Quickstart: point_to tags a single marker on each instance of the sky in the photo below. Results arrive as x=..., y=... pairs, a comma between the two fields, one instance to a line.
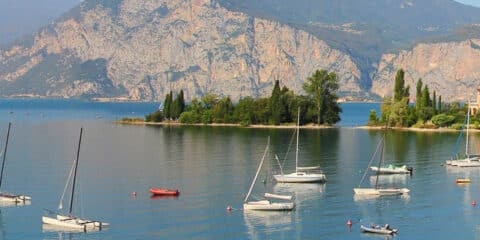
x=475, y=3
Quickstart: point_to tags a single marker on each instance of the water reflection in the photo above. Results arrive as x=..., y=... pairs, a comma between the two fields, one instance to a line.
x=14, y=204
x=302, y=191
x=372, y=198
x=260, y=223
x=390, y=180
x=58, y=232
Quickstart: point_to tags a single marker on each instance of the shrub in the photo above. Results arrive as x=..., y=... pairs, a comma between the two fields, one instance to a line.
x=443, y=120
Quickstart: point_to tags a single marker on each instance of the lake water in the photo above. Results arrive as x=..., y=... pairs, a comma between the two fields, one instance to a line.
x=213, y=168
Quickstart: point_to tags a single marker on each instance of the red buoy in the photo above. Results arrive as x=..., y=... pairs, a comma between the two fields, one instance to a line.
x=349, y=223
x=474, y=203
x=134, y=194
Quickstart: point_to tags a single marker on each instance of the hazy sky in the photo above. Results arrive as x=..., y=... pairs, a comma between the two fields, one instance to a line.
x=470, y=2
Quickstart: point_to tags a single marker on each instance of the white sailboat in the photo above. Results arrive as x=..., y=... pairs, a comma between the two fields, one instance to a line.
x=267, y=205
x=301, y=174
x=8, y=199
x=471, y=160
x=70, y=221
x=378, y=191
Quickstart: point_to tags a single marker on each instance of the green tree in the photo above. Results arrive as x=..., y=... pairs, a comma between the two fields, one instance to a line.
x=434, y=102
x=275, y=104
x=209, y=100
x=418, y=101
x=223, y=111
x=439, y=104
x=244, y=111
x=167, y=106
x=156, y=116
x=400, y=91
x=321, y=87
x=372, y=118
x=443, y=120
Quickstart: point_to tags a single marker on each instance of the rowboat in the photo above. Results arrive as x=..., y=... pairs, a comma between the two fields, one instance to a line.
x=379, y=229
x=164, y=191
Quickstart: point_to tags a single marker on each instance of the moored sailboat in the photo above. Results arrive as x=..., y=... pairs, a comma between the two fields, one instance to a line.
x=378, y=191
x=470, y=160
x=69, y=220
x=301, y=174
x=266, y=204
x=9, y=198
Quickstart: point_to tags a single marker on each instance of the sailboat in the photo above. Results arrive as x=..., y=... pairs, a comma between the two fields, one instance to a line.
x=69, y=220
x=267, y=205
x=471, y=160
x=301, y=174
x=8, y=197
x=377, y=191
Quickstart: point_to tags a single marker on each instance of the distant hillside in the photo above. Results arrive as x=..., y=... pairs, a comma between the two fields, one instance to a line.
x=19, y=18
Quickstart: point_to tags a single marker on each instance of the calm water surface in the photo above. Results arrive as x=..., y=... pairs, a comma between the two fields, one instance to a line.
x=213, y=168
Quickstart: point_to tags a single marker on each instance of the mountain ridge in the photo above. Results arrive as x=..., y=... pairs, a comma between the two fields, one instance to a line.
x=143, y=49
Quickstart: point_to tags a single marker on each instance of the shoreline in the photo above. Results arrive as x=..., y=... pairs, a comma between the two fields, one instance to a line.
x=291, y=126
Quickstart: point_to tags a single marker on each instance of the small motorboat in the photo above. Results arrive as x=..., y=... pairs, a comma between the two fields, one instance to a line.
x=164, y=192
x=462, y=180
x=379, y=229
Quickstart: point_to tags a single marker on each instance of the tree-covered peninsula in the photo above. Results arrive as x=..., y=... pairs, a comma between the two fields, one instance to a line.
x=319, y=106
x=428, y=110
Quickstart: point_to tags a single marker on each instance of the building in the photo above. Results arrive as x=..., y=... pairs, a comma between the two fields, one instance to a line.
x=475, y=106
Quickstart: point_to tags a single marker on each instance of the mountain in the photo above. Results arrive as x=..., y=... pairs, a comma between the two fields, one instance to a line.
x=143, y=49
x=140, y=50
x=23, y=17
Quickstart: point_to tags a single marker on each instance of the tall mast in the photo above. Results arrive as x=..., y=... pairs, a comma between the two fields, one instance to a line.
x=468, y=124
x=296, y=152
x=75, y=172
x=5, y=153
x=258, y=171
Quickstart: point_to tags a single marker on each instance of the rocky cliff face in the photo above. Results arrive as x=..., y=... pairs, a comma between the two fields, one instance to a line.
x=143, y=49
x=451, y=69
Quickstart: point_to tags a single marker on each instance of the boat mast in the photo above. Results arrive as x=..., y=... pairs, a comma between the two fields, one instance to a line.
x=468, y=124
x=381, y=159
x=258, y=171
x=75, y=172
x=296, y=152
x=5, y=153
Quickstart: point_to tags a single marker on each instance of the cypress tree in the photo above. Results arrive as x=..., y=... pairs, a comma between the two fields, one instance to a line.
x=434, y=102
x=167, y=106
x=418, y=103
x=275, y=104
x=439, y=104
x=399, y=90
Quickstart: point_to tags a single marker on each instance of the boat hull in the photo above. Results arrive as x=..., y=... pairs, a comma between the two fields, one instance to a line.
x=164, y=192
x=391, y=170
x=378, y=230
x=71, y=222
x=380, y=191
x=6, y=197
x=300, y=177
x=265, y=205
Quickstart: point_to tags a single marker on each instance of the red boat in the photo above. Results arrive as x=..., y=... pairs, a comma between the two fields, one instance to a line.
x=164, y=192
